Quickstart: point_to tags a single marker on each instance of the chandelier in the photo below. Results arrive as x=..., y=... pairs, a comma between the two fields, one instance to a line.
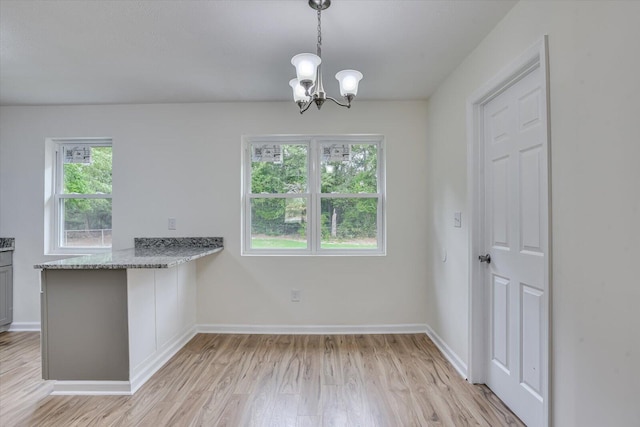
x=307, y=86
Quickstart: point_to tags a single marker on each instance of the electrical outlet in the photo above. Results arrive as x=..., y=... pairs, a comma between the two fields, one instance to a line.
x=295, y=295
x=172, y=223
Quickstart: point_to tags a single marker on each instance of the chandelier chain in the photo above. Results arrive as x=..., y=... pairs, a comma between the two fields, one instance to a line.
x=319, y=46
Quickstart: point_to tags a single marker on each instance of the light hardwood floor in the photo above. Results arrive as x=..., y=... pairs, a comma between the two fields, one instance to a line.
x=270, y=380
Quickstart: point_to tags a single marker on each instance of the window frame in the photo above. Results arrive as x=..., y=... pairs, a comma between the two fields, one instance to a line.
x=58, y=196
x=313, y=195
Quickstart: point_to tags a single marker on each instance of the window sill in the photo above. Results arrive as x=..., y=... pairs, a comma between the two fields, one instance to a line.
x=308, y=254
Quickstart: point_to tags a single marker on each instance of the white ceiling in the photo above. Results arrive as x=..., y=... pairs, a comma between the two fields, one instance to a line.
x=100, y=51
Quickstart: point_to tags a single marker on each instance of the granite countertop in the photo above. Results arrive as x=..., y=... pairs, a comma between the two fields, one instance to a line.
x=147, y=253
x=7, y=244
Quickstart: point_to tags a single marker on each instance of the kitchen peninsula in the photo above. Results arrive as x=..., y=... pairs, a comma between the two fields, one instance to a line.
x=110, y=321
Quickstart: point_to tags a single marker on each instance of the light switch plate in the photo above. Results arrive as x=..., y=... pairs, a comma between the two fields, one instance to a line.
x=457, y=219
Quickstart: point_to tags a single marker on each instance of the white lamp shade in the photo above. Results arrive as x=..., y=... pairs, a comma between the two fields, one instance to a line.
x=306, y=66
x=349, y=80
x=298, y=91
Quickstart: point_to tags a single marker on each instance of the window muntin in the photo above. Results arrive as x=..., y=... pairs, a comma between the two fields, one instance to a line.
x=82, y=198
x=314, y=195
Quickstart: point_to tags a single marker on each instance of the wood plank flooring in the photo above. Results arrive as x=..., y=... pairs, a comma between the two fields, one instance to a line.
x=264, y=380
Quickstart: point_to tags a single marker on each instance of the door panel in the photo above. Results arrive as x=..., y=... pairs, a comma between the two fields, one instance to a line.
x=530, y=215
x=499, y=124
x=500, y=226
x=531, y=307
x=529, y=109
x=516, y=226
x=500, y=322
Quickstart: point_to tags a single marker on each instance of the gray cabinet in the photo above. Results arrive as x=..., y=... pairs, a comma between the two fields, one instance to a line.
x=6, y=290
x=84, y=325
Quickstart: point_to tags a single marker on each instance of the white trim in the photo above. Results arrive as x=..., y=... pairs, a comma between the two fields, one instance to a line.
x=408, y=328
x=534, y=57
x=24, y=327
x=146, y=369
x=448, y=352
x=92, y=388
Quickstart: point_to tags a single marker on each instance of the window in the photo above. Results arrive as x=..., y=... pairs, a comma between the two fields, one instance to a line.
x=320, y=195
x=81, y=205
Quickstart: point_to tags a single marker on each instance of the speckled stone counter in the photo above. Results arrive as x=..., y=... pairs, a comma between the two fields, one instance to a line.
x=147, y=253
x=7, y=244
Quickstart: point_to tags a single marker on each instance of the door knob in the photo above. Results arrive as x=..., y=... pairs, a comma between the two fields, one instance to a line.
x=485, y=258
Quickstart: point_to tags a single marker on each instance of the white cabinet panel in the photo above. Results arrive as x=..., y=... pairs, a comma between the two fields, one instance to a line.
x=161, y=306
x=187, y=295
x=166, y=304
x=142, y=316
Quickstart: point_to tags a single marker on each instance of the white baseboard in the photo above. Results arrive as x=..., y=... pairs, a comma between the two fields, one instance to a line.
x=410, y=328
x=87, y=388
x=146, y=369
x=24, y=327
x=448, y=353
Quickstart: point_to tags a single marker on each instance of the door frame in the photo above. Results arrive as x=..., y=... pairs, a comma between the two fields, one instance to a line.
x=533, y=58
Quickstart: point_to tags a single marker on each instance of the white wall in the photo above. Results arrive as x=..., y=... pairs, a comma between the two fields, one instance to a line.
x=594, y=70
x=183, y=161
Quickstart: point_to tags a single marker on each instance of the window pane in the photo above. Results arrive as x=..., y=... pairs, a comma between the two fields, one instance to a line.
x=86, y=173
x=87, y=222
x=279, y=223
x=349, y=223
x=278, y=168
x=349, y=168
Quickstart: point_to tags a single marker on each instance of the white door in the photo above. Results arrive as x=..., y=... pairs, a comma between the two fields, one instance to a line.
x=516, y=233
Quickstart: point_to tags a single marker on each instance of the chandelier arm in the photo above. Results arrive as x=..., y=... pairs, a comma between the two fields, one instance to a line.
x=305, y=107
x=348, y=105
x=313, y=89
